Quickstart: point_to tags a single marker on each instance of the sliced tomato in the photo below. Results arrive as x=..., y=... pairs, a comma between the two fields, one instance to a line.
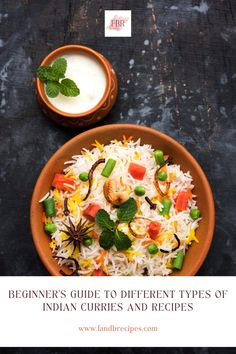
x=153, y=229
x=99, y=273
x=91, y=211
x=182, y=201
x=137, y=171
x=63, y=183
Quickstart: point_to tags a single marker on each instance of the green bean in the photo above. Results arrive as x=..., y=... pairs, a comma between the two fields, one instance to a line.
x=49, y=207
x=152, y=248
x=195, y=214
x=159, y=157
x=50, y=228
x=84, y=176
x=139, y=190
x=166, y=207
x=178, y=261
x=162, y=176
x=108, y=168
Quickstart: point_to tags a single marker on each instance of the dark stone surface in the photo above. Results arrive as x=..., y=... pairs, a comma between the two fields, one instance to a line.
x=177, y=74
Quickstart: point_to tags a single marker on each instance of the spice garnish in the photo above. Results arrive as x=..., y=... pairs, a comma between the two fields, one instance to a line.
x=76, y=234
x=76, y=264
x=90, y=175
x=152, y=205
x=173, y=249
x=132, y=231
x=66, y=210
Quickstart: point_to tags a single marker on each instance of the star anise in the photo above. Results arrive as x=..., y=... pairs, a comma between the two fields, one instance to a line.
x=76, y=233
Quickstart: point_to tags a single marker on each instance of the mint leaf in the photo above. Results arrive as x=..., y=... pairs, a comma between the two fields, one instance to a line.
x=106, y=239
x=69, y=88
x=52, y=89
x=53, y=74
x=103, y=220
x=127, y=210
x=46, y=73
x=60, y=66
x=122, y=241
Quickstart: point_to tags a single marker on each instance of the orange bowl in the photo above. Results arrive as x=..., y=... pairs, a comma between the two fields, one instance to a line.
x=197, y=252
x=94, y=115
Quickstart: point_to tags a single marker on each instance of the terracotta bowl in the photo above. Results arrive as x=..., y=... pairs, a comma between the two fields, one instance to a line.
x=86, y=118
x=196, y=253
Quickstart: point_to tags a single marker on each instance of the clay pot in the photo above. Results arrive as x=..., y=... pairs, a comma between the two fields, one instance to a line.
x=92, y=116
x=196, y=253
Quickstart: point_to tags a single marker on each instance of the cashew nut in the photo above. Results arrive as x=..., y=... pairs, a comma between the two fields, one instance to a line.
x=112, y=192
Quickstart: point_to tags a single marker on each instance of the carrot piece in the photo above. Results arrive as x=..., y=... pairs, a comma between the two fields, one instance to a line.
x=63, y=183
x=182, y=201
x=153, y=229
x=137, y=171
x=91, y=211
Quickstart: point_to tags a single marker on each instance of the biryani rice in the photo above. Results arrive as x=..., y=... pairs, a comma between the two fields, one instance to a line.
x=136, y=260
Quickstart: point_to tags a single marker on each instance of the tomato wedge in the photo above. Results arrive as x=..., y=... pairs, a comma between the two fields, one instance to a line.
x=153, y=229
x=91, y=211
x=63, y=183
x=137, y=171
x=182, y=201
x=99, y=273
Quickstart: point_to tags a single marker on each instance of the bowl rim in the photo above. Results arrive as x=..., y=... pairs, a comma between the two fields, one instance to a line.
x=170, y=140
x=99, y=57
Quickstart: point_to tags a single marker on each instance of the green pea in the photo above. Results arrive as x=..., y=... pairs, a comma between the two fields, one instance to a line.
x=49, y=207
x=50, y=228
x=139, y=190
x=152, y=248
x=195, y=214
x=178, y=261
x=84, y=176
x=159, y=157
x=88, y=241
x=162, y=176
x=166, y=207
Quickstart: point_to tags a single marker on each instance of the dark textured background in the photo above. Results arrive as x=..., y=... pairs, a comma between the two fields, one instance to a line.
x=177, y=74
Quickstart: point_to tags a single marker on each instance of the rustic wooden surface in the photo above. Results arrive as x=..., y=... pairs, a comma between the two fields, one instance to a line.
x=176, y=74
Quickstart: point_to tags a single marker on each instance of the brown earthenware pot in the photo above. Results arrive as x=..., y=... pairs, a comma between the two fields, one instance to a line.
x=196, y=253
x=86, y=118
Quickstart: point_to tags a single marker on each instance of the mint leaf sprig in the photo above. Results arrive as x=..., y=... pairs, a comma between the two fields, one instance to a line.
x=110, y=235
x=54, y=78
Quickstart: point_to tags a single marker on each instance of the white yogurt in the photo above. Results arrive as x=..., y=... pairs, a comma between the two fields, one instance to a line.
x=90, y=78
